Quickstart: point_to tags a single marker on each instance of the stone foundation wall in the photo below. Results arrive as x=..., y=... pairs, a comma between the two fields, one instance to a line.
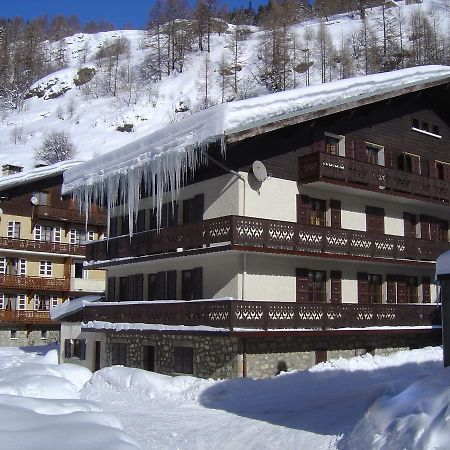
x=222, y=356
x=24, y=339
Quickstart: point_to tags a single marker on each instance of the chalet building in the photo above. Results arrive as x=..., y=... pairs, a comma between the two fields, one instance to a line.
x=42, y=249
x=321, y=224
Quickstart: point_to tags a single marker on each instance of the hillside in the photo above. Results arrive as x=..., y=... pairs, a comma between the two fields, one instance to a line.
x=107, y=96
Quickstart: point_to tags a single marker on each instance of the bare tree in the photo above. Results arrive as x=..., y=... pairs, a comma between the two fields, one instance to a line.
x=56, y=146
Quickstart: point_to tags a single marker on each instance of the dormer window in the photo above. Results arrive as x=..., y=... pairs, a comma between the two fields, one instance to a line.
x=422, y=126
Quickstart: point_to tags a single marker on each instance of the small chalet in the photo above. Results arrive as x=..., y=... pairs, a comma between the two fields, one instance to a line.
x=310, y=219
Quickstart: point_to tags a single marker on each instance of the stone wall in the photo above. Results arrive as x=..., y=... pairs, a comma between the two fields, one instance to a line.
x=22, y=338
x=221, y=356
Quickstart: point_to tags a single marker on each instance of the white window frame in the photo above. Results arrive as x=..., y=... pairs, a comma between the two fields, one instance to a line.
x=341, y=140
x=37, y=232
x=21, y=302
x=45, y=268
x=2, y=265
x=2, y=301
x=57, y=234
x=38, y=299
x=53, y=301
x=22, y=269
x=14, y=229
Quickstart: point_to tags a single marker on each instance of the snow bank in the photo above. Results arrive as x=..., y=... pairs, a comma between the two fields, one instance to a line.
x=163, y=159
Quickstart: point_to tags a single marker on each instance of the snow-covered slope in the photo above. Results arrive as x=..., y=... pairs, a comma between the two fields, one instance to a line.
x=78, y=107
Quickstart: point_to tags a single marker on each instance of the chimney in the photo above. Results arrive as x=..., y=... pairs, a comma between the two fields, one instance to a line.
x=9, y=169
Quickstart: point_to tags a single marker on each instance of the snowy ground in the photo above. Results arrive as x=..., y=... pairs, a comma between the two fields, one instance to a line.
x=394, y=402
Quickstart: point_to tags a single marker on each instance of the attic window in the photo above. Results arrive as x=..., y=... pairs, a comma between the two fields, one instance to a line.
x=425, y=128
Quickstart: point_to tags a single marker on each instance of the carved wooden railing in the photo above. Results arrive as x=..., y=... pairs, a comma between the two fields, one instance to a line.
x=27, y=282
x=266, y=234
x=68, y=215
x=25, y=317
x=318, y=166
x=42, y=246
x=238, y=314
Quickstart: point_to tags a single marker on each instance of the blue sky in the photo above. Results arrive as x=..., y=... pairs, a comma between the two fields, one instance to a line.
x=120, y=12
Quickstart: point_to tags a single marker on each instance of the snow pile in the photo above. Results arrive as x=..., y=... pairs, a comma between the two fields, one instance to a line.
x=163, y=159
x=40, y=406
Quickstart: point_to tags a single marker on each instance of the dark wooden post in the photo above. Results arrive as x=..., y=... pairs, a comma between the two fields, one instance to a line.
x=443, y=276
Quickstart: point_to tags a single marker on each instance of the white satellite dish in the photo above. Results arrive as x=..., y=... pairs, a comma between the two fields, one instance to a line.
x=259, y=171
x=34, y=200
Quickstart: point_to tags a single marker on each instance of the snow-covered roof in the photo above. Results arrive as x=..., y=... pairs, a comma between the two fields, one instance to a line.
x=163, y=158
x=443, y=264
x=36, y=174
x=72, y=306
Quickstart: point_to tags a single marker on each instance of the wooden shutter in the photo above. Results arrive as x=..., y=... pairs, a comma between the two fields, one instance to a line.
x=302, y=285
x=434, y=229
x=171, y=285
x=391, y=289
x=138, y=281
x=336, y=286
x=113, y=227
x=82, y=349
x=199, y=207
x=197, y=284
x=409, y=223
x=433, y=170
x=161, y=286
x=360, y=151
x=130, y=288
x=111, y=289
x=424, y=167
x=401, y=289
x=151, y=287
x=140, y=223
x=67, y=348
x=374, y=219
x=388, y=161
x=415, y=164
x=335, y=206
x=363, y=288
x=349, y=148
x=425, y=227
x=447, y=172
x=426, y=290
x=123, y=289
x=302, y=209
x=318, y=146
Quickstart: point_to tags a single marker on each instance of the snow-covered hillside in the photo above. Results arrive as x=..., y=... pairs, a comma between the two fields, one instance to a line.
x=71, y=100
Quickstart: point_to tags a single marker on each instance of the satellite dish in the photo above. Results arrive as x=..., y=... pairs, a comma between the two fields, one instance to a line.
x=259, y=171
x=34, y=200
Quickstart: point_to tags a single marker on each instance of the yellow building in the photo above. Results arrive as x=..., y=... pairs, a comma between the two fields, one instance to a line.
x=42, y=249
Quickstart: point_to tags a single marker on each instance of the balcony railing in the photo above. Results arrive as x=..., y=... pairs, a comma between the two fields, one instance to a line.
x=323, y=166
x=273, y=235
x=237, y=314
x=42, y=246
x=25, y=317
x=68, y=215
x=34, y=283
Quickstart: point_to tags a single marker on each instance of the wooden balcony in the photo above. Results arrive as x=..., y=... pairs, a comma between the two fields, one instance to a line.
x=336, y=169
x=8, y=316
x=237, y=314
x=34, y=283
x=266, y=235
x=69, y=215
x=42, y=246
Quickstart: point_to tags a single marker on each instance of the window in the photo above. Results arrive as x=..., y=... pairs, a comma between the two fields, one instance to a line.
x=45, y=268
x=42, y=198
x=416, y=123
x=13, y=266
x=183, y=360
x=13, y=334
x=14, y=230
x=443, y=230
x=80, y=237
x=410, y=225
x=54, y=301
x=2, y=301
x=47, y=233
x=425, y=127
x=75, y=348
x=412, y=294
x=2, y=265
x=118, y=354
x=21, y=301
x=436, y=129
x=78, y=269
x=192, y=284
x=193, y=209
x=405, y=162
x=316, y=286
x=374, y=285
x=332, y=145
x=42, y=303
x=317, y=212
x=44, y=334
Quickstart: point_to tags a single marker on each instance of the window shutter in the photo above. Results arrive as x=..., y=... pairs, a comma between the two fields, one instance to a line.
x=199, y=207
x=447, y=172
x=82, y=349
x=401, y=289
x=415, y=164
x=302, y=285
x=424, y=167
x=360, y=151
x=349, y=148
x=318, y=146
x=140, y=223
x=161, y=286
x=151, y=287
x=302, y=209
x=425, y=227
x=197, y=283
x=336, y=286
x=409, y=223
x=172, y=285
x=164, y=221
x=123, y=289
x=113, y=227
x=434, y=229
x=433, y=169
x=67, y=348
x=426, y=290
x=363, y=288
x=391, y=288
x=388, y=162
x=374, y=219
x=111, y=289
x=335, y=206
x=138, y=287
